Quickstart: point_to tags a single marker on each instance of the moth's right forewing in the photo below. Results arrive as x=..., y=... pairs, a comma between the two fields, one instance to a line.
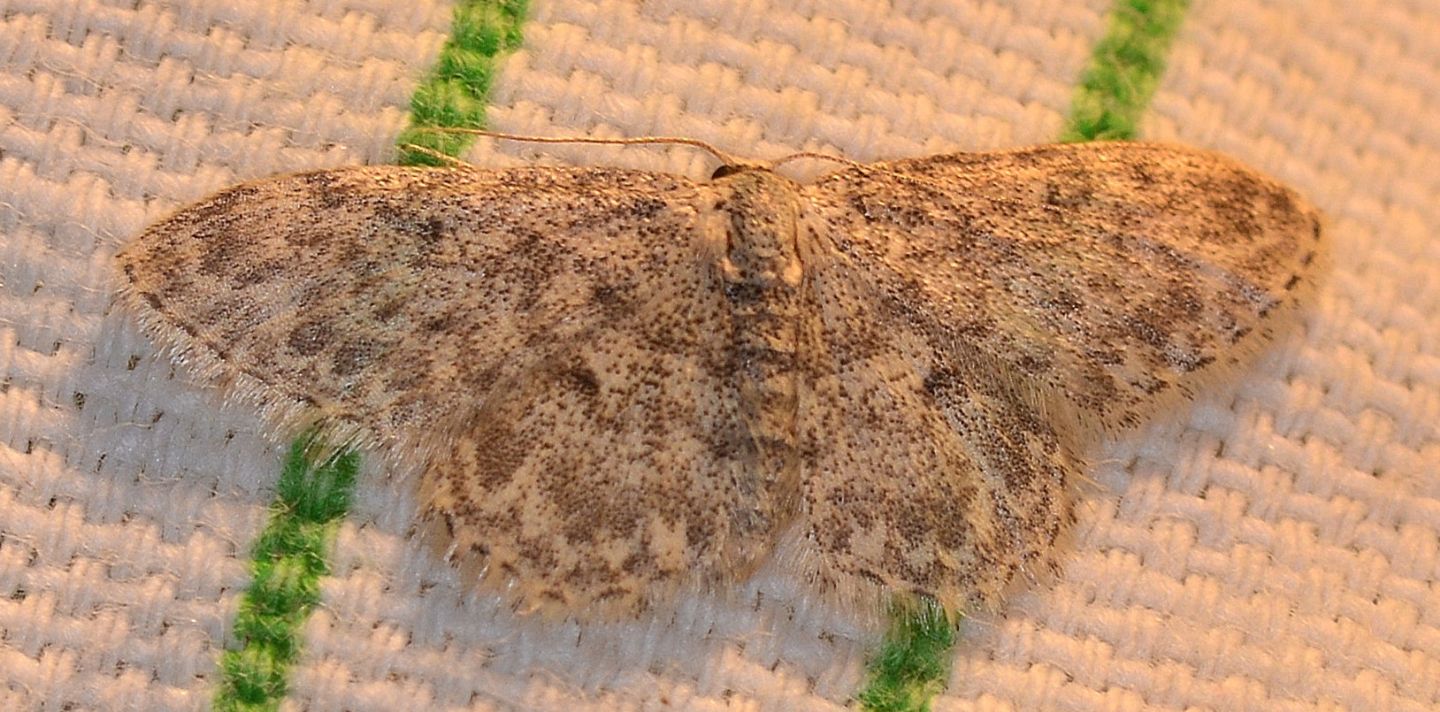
x=387, y=298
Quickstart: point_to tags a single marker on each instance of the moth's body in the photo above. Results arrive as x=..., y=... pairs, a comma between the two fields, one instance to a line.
x=752, y=224
x=619, y=383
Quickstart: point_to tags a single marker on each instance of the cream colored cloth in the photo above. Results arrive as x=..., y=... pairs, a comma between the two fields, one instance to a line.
x=1271, y=546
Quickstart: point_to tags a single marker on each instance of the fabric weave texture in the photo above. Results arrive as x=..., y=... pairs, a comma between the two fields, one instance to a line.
x=1273, y=545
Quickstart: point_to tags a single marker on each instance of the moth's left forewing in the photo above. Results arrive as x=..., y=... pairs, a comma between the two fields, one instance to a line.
x=384, y=299
x=1109, y=277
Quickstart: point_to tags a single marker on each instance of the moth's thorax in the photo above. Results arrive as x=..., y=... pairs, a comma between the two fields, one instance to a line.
x=759, y=212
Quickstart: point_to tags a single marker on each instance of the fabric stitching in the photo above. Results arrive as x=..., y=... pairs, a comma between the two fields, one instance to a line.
x=290, y=556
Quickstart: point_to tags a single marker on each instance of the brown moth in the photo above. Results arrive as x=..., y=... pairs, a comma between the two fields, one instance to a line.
x=616, y=384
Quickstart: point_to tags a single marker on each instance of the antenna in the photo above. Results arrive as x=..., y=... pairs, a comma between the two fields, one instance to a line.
x=724, y=157
x=821, y=156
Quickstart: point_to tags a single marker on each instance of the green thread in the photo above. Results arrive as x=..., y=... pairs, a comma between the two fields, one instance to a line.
x=1114, y=90
x=1124, y=70
x=289, y=557
x=286, y=566
x=914, y=662
x=455, y=95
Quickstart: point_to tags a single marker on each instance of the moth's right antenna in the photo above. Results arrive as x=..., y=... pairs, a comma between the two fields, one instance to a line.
x=724, y=157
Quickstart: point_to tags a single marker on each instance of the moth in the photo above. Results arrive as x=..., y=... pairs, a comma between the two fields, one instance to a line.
x=616, y=385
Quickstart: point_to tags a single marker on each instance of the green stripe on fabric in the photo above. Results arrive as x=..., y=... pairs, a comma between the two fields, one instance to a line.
x=288, y=559
x=457, y=92
x=286, y=565
x=1124, y=70
x=1113, y=92
x=911, y=667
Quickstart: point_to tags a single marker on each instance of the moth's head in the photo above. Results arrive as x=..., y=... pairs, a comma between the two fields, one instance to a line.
x=750, y=179
x=732, y=169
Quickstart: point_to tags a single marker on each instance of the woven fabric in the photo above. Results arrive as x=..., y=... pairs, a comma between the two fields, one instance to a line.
x=1271, y=546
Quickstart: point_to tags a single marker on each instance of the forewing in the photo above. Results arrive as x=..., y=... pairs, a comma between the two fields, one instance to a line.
x=391, y=298
x=1105, y=276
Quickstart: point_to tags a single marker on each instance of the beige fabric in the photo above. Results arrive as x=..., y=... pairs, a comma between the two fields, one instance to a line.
x=1272, y=546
